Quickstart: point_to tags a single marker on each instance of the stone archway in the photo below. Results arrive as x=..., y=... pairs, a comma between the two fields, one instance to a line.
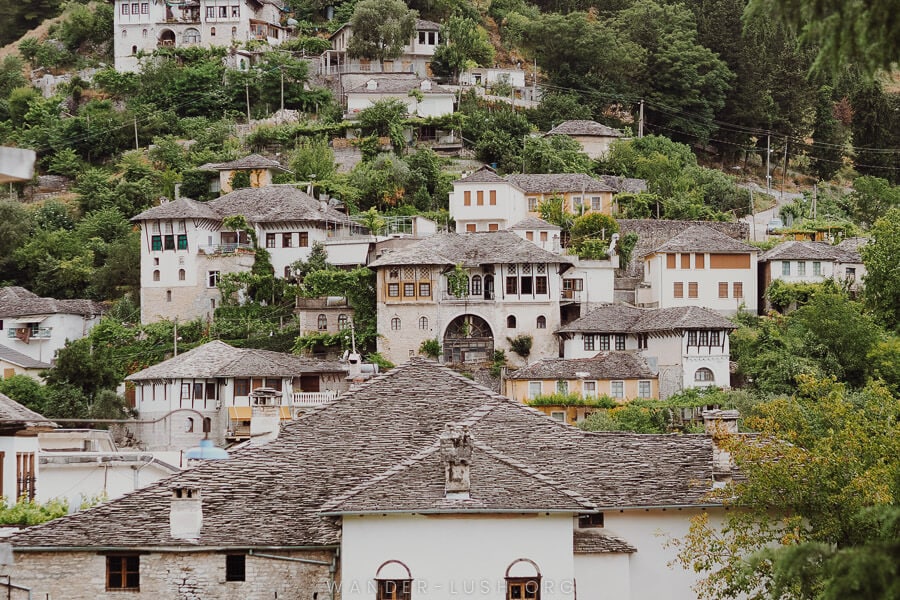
x=468, y=338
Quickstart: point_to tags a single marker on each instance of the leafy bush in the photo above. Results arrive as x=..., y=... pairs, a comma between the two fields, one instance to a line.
x=430, y=348
x=572, y=399
x=521, y=345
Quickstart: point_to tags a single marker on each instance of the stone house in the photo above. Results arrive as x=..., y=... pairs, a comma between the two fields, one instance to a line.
x=422, y=97
x=142, y=27
x=37, y=327
x=261, y=171
x=415, y=57
x=185, y=248
x=686, y=347
x=594, y=138
x=512, y=288
x=620, y=376
x=374, y=495
x=700, y=267
x=209, y=390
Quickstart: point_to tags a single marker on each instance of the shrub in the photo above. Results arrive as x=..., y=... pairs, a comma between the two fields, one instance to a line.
x=430, y=348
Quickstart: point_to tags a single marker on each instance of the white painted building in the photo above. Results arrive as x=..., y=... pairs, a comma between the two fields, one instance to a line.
x=490, y=76
x=185, y=248
x=37, y=327
x=422, y=97
x=415, y=57
x=688, y=347
x=700, y=267
x=141, y=28
x=513, y=288
x=594, y=138
x=19, y=470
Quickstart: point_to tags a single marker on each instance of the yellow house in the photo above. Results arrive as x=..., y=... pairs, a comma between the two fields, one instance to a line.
x=578, y=382
x=16, y=363
x=262, y=171
x=581, y=193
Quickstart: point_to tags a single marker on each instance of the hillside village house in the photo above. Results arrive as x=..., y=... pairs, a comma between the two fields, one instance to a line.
x=144, y=26
x=620, y=376
x=415, y=58
x=261, y=171
x=513, y=288
x=19, y=429
x=686, y=346
x=700, y=267
x=185, y=248
x=811, y=262
x=374, y=496
x=37, y=327
x=15, y=363
x=484, y=201
x=594, y=138
x=215, y=382
x=436, y=100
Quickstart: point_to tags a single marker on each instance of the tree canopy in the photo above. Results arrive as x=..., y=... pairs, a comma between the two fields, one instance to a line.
x=380, y=29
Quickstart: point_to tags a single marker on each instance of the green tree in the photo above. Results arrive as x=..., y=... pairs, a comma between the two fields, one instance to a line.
x=591, y=233
x=557, y=107
x=553, y=210
x=25, y=390
x=86, y=367
x=872, y=197
x=882, y=281
x=829, y=136
x=380, y=29
x=385, y=118
x=463, y=44
x=312, y=158
x=555, y=154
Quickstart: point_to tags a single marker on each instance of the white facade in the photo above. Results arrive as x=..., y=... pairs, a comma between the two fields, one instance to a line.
x=489, y=76
x=145, y=26
x=18, y=454
x=595, y=282
x=45, y=333
x=478, y=205
x=721, y=282
x=415, y=57
x=434, y=103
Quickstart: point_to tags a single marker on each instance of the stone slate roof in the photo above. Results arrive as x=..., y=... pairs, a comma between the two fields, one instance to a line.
x=701, y=238
x=605, y=365
x=470, y=249
x=21, y=360
x=531, y=222
x=558, y=183
x=273, y=495
x=624, y=318
x=423, y=25
x=218, y=359
x=804, y=250
x=596, y=541
x=483, y=175
x=16, y=301
x=585, y=128
x=498, y=483
x=391, y=84
x=625, y=184
x=851, y=247
x=13, y=413
x=253, y=161
x=268, y=204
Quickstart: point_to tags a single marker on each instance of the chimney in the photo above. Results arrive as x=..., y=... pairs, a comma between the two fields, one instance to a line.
x=265, y=416
x=456, y=455
x=719, y=424
x=186, y=513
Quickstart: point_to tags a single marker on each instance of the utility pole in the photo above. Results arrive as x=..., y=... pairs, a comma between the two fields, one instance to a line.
x=136, y=145
x=784, y=168
x=247, y=90
x=768, y=157
x=641, y=120
x=282, y=91
x=752, y=217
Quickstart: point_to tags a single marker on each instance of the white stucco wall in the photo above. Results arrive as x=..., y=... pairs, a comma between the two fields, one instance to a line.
x=11, y=445
x=451, y=556
x=432, y=105
x=661, y=280
x=509, y=210
x=602, y=576
x=62, y=327
x=94, y=475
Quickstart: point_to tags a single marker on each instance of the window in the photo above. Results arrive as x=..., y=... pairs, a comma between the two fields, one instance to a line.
x=169, y=242
x=851, y=273
x=562, y=386
x=235, y=12
x=144, y=31
x=523, y=588
x=643, y=340
x=589, y=521
x=704, y=374
x=527, y=285
x=678, y=289
x=212, y=279
x=493, y=227
x=589, y=341
x=168, y=295
x=511, y=322
x=123, y=572
x=275, y=384
x=191, y=36
x=723, y=289
x=604, y=341
x=189, y=425
x=541, y=322
x=409, y=290
x=124, y=9
x=643, y=389
x=234, y=35
x=577, y=204
x=270, y=240
x=575, y=285
x=532, y=204
x=223, y=12
x=185, y=391
x=423, y=323
x=558, y=415
x=534, y=389
x=241, y=387
x=395, y=324
x=394, y=589
x=620, y=341
x=529, y=235
x=737, y=289
x=692, y=338
x=685, y=261
x=479, y=195
x=182, y=241
x=304, y=239
x=198, y=391
x=182, y=275
x=692, y=289
x=393, y=290
x=617, y=389
x=287, y=240
x=467, y=198
x=512, y=285
x=210, y=390
x=425, y=290
x=476, y=285
x=713, y=338
x=589, y=389
x=801, y=268
x=699, y=261
x=210, y=12
x=704, y=339
x=540, y=284
x=156, y=275
x=235, y=567
x=145, y=9
x=786, y=267
x=817, y=268
x=492, y=197
x=470, y=227
x=322, y=322
x=596, y=203
x=670, y=261
x=26, y=476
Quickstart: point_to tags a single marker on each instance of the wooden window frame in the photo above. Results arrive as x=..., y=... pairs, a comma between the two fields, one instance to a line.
x=693, y=289
x=723, y=289
x=467, y=198
x=492, y=197
x=242, y=386
x=122, y=566
x=304, y=239
x=26, y=476
x=523, y=588
x=393, y=589
x=737, y=289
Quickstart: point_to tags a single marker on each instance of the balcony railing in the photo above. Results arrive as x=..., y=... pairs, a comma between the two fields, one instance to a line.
x=483, y=297
x=41, y=333
x=226, y=248
x=308, y=399
x=574, y=295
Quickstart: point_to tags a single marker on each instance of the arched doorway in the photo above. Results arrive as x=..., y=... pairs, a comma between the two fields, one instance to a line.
x=468, y=339
x=166, y=38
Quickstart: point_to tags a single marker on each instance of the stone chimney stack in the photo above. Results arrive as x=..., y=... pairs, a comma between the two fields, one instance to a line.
x=718, y=424
x=265, y=416
x=456, y=455
x=186, y=513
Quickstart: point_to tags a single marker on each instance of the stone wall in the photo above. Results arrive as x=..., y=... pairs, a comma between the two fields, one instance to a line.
x=174, y=576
